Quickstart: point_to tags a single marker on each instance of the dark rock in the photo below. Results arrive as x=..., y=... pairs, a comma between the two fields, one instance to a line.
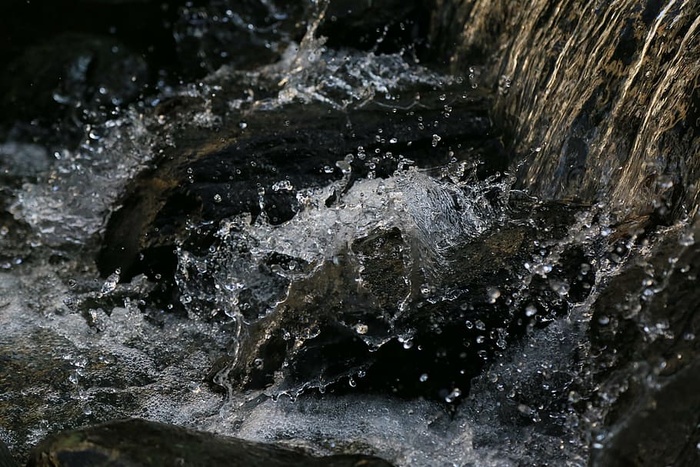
x=358, y=315
x=383, y=26
x=206, y=178
x=133, y=443
x=6, y=459
x=663, y=427
x=241, y=34
x=69, y=74
x=644, y=333
x=144, y=26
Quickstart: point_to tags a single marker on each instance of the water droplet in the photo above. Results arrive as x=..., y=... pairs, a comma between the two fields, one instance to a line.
x=604, y=320
x=452, y=396
x=542, y=269
x=493, y=294
x=111, y=282
x=282, y=185
x=530, y=310
x=687, y=239
x=560, y=287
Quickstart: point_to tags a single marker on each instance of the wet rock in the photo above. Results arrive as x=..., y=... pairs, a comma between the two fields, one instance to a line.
x=239, y=34
x=6, y=459
x=643, y=332
x=144, y=443
x=260, y=164
x=381, y=317
x=70, y=73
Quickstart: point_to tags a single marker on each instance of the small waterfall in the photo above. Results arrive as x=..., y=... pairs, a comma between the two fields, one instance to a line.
x=602, y=97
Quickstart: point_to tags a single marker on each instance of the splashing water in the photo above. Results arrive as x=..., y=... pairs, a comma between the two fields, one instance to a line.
x=533, y=293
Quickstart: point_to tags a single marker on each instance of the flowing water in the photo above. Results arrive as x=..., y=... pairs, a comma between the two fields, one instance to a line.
x=465, y=292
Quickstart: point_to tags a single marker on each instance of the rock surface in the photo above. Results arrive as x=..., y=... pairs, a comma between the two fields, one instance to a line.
x=135, y=443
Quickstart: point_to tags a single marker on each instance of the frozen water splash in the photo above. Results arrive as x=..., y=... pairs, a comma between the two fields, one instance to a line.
x=347, y=78
x=408, y=433
x=71, y=198
x=309, y=72
x=432, y=214
x=100, y=356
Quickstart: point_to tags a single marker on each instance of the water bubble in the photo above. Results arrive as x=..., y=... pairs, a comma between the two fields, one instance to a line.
x=687, y=239
x=426, y=290
x=436, y=140
x=560, y=287
x=541, y=269
x=111, y=282
x=480, y=325
x=243, y=125
x=282, y=185
x=530, y=310
x=452, y=396
x=73, y=378
x=217, y=198
x=604, y=320
x=493, y=294
x=361, y=328
x=351, y=382
x=423, y=378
